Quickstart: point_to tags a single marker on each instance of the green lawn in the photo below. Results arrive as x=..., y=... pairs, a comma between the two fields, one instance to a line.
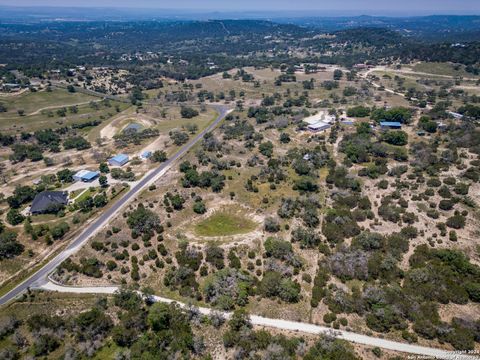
x=175, y=121
x=224, y=223
x=33, y=101
x=86, y=193
x=34, y=119
x=441, y=69
x=108, y=351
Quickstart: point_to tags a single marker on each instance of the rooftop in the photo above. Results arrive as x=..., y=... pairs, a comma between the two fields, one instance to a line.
x=455, y=114
x=319, y=125
x=391, y=123
x=120, y=158
x=87, y=174
x=320, y=116
x=46, y=199
x=81, y=173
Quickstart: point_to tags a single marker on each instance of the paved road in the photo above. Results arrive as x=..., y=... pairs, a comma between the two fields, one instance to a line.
x=40, y=277
x=292, y=326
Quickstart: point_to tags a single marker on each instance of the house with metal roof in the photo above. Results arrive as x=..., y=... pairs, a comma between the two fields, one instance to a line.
x=11, y=87
x=49, y=201
x=455, y=115
x=390, y=125
x=317, y=127
x=118, y=160
x=86, y=175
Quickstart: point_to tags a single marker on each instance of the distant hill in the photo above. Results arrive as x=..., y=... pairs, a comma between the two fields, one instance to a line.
x=34, y=46
x=429, y=28
x=437, y=27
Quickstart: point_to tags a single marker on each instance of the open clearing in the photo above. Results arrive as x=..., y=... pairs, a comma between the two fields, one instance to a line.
x=225, y=222
x=40, y=110
x=436, y=68
x=34, y=101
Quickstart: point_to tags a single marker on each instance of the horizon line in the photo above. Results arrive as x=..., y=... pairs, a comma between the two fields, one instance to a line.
x=303, y=12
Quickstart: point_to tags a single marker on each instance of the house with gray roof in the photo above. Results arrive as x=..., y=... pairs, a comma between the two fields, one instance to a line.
x=49, y=201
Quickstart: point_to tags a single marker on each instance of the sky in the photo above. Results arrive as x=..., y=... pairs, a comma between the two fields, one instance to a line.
x=368, y=7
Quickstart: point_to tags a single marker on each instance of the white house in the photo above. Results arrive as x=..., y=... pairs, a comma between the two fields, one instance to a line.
x=320, y=126
x=321, y=116
x=455, y=115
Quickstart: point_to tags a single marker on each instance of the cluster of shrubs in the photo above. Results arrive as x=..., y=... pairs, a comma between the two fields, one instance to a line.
x=205, y=179
x=32, y=146
x=435, y=276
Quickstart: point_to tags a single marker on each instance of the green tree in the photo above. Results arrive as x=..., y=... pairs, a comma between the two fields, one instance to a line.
x=363, y=128
x=284, y=138
x=100, y=200
x=399, y=114
x=143, y=221
x=103, y=167
x=65, y=176
x=159, y=156
x=330, y=348
x=59, y=230
x=397, y=137
x=358, y=111
x=337, y=74
x=136, y=95
x=188, y=112
x=103, y=181
x=427, y=124
x=9, y=246
x=14, y=217
x=239, y=320
x=266, y=149
x=199, y=207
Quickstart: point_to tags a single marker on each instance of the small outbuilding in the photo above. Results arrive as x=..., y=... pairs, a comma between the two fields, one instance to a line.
x=118, y=160
x=390, y=125
x=86, y=175
x=348, y=122
x=47, y=201
x=146, y=155
x=442, y=126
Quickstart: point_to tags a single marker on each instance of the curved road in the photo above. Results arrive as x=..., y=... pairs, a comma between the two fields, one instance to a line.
x=422, y=351
x=376, y=85
x=39, y=278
